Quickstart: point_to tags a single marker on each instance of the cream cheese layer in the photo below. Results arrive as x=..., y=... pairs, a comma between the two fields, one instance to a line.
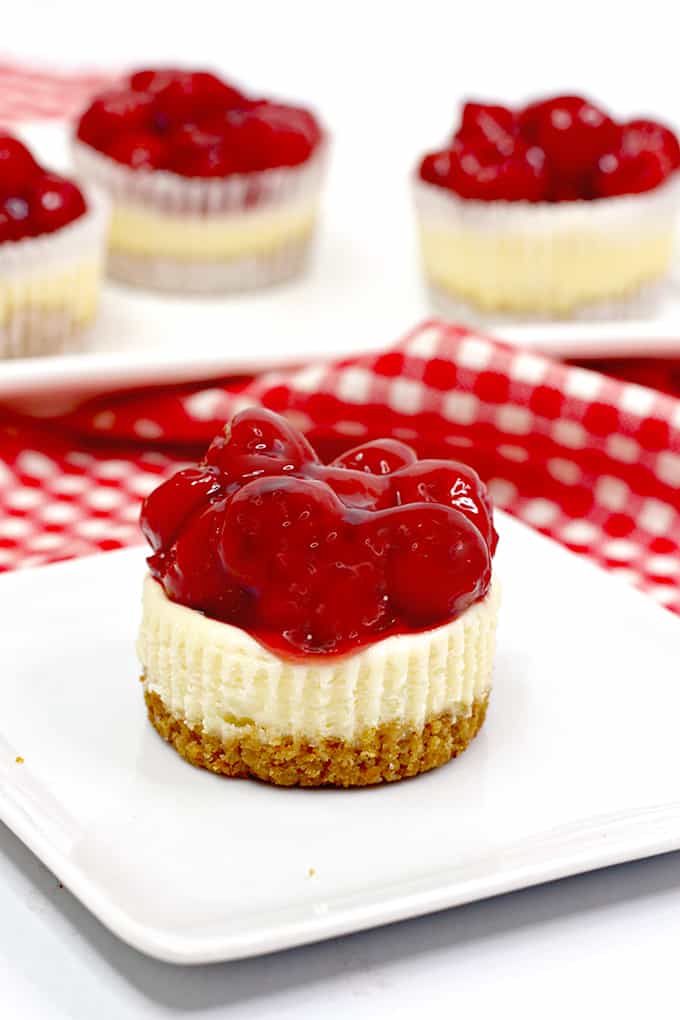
x=216, y=676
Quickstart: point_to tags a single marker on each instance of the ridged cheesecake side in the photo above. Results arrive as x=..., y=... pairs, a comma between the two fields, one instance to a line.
x=401, y=706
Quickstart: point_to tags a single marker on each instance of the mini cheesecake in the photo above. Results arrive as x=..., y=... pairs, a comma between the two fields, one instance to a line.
x=51, y=253
x=311, y=624
x=550, y=211
x=212, y=190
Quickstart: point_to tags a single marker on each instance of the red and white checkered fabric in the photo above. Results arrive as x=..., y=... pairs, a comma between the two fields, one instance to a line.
x=590, y=461
x=32, y=94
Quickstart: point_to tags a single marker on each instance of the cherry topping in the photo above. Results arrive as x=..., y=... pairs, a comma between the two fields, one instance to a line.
x=427, y=546
x=194, y=152
x=495, y=125
x=115, y=112
x=167, y=508
x=316, y=559
x=15, y=222
x=184, y=95
x=573, y=133
x=54, y=203
x=650, y=136
x=486, y=174
x=625, y=174
x=197, y=125
x=451, y=484
x=381, y=457
x=193, y=572
x=559, y=149
x=18, y=169
x=141, y=150
x=32, y=201
x=259, y=442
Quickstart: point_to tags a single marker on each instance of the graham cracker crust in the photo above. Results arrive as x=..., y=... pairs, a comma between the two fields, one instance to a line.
x=381, y=755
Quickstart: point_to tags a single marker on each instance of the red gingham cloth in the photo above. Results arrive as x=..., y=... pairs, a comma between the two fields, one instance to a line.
x=33, y=94
x=586, y=459
x=590, y=461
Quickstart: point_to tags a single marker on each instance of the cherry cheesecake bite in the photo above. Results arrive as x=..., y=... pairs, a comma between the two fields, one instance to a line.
x=213, y=189
x=317, y=624
x=551, y=209
x=51, y=249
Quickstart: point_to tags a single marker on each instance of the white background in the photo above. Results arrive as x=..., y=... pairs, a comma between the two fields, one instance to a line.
x=601, y=943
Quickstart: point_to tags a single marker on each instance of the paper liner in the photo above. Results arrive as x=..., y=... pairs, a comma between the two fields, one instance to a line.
x=216, y=676
x=603, y=258
x=49, y=284
x=211, y=277
x=167, y=194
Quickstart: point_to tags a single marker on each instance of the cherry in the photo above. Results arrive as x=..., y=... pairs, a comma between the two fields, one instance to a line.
x=18, y=169
x=165, y=510
x=355, y=488
x=270, y=135
x=55, y=202
x=15, y=220
x=436, y=168
x=625, y=174
x=438, y=562
x=295, y=519
x=115, y=112
x=140, y=150
x=259, y=442
x=485, y=174
x=183, y=95
x=380, y=457
x=193, y=152
x=194, y=574
x=448, y=483
x=492, y=125
x=572, y=132
x=649, y=135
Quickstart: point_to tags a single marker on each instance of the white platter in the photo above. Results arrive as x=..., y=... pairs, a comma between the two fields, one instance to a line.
x=362, y=293
x=575, y=769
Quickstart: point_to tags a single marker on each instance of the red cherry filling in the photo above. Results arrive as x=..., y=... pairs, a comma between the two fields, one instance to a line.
x=381, y=457
x=115, y=112
x=194, y=152
x=427, y=545
x=450, y=484
x=316, y=559
x=141, y=150
x=32, y=201
x=197, y=125
x=18, y=169
x=54, y=203
x=559, y=149
x=482, y=124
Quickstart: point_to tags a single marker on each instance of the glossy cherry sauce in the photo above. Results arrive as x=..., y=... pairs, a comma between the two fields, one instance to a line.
x=557, y=150
x=315, y=559
x=197, y=125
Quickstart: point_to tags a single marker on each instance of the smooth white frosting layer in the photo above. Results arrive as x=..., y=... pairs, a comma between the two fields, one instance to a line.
x=217, y=676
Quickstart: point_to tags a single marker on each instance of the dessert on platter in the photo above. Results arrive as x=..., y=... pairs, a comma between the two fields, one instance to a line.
x=551, y=210
x=52, y=237
x=213, y=190
x=312, y=624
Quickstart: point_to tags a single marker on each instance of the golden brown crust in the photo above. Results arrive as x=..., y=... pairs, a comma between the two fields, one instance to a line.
x=382, y=754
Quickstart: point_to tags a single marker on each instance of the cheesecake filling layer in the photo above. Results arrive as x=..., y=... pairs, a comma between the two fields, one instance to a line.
x=566, y=272
x=145, y=232
x=218, y=679
x=72, y=290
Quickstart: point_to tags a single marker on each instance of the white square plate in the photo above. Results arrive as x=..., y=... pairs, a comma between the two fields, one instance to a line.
x=576, y=768
x=362, y=292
